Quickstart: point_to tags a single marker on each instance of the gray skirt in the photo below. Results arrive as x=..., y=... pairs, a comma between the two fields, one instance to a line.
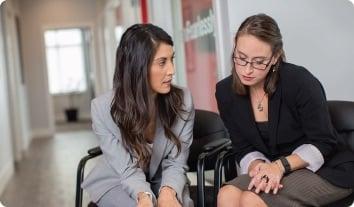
x=301, y=188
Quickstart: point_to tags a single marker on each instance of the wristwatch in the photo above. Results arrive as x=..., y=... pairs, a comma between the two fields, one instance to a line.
x=146, y=193
x=285, y=164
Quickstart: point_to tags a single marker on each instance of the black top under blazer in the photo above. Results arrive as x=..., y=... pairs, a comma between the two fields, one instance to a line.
x=298, y=114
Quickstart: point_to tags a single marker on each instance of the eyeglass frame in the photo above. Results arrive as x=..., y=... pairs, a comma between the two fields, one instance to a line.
x=234, y=58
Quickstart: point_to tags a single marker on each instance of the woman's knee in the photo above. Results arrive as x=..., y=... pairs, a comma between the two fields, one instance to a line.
x=228, y=196
x=251, y=199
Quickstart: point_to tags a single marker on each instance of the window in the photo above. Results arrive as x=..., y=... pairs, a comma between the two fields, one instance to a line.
x=65, y=61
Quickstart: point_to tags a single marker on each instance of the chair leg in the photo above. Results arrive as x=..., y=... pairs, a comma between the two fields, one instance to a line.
x=231, y=170
x=217, y=175
x=225, y=159
x=79, y=179
x=201, y=180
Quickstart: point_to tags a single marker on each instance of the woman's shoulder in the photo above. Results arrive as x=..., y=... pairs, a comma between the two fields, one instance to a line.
x=298, y=83
x=225, y=83
x=104, y=98
x=102, y=103
x=101, y=112
x=224, y=89
x=295, y=72
x=296, y=76
x=187, y=97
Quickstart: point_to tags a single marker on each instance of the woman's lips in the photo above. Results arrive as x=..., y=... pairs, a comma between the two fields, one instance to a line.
x=167, y=82
x=247, y=78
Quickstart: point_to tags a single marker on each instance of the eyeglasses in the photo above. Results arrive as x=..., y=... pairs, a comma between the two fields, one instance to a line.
x=259, y=65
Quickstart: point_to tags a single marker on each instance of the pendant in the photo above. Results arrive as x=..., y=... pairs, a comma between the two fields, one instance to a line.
x=260, y=107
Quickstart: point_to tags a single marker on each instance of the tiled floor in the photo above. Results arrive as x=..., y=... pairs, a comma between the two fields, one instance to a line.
x=46, y=176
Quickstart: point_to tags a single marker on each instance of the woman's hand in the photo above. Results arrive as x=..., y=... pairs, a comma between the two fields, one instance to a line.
x=254, y=167
x=144, y=200
x=266, y=177
x=167, y=198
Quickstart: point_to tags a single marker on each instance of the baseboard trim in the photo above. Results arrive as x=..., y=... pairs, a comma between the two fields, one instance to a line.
x=6, y=175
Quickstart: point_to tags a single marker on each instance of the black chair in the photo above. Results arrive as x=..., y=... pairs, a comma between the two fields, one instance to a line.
x=342, y=116
x=210, y=138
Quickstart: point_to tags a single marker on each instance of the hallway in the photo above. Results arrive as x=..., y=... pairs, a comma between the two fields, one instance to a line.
x=46, y=176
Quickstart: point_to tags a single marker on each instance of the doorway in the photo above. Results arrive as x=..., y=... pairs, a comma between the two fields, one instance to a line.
x=68, y=52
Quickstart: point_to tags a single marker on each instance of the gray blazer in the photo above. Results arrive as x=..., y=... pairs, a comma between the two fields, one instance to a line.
x=117, y=166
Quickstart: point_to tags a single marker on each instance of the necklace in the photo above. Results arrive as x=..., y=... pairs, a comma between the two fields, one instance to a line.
x=260, y=105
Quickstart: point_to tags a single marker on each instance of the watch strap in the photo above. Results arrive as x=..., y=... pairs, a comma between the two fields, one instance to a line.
x=285, y=164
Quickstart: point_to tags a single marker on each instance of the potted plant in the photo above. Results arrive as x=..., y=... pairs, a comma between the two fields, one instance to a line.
x=72, y=111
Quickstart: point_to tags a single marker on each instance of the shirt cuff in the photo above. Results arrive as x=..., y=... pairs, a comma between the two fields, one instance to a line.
x=310, y=154
x=248, y=158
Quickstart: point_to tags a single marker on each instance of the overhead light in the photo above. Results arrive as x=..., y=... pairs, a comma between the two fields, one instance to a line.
x=1, y=1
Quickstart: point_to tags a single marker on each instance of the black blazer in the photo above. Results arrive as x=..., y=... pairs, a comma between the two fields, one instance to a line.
x=298, y=114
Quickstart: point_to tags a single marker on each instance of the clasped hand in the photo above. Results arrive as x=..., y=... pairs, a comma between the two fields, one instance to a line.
x=144, y=200
x=167, y=198
x=265, y=177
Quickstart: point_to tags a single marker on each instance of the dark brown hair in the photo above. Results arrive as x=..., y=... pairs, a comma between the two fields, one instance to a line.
x=132, y=103
x=264, y=28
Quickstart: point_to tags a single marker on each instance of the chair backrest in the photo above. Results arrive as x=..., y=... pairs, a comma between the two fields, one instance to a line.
x=342, y=116
x=208, y=127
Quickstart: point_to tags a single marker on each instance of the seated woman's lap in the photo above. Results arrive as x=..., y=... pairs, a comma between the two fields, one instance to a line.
x=301, y=188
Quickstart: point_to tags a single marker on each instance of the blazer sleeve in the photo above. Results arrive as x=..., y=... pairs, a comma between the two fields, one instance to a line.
x=174, y=165
x=132, y=178
x=241, y=146
x=314, y=115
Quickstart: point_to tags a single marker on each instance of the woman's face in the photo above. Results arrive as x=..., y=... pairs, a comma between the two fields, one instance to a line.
x=253, y=59
x=162, y=69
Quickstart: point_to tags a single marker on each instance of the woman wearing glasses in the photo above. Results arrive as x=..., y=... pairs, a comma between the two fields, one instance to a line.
x=277, y=116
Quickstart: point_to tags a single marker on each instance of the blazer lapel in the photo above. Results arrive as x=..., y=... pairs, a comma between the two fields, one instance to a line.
x=273, y=111
x=158, y=148
x=248, y=122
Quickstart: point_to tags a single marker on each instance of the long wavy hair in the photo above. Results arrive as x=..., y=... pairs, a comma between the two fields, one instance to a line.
x=132, y=103
x=264, y=28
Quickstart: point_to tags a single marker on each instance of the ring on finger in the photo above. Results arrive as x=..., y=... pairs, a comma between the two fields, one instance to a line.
x=265, y=177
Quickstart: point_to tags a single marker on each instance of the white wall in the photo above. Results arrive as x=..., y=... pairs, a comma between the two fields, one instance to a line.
x=17, y=90
x=123, y=13
x=317, y=34
x=167, y=14
x=6, y=156
x=222, y=37
x=36, y=16
x=158, y=10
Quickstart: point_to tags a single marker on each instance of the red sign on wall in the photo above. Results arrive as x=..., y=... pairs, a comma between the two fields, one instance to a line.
x=199, y=41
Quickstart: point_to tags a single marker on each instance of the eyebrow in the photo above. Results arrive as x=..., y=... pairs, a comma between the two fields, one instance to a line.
x=258, y=57
x=164, y=58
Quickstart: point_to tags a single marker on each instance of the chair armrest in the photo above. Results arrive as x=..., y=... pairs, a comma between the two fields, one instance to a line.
x=213, y=149
x=216, y=143
x=94, y=152
x=230, y=170
x=226, y=156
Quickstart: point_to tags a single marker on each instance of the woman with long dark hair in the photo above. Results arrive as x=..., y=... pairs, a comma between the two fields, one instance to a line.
x=144, y=126
x=277, y=116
